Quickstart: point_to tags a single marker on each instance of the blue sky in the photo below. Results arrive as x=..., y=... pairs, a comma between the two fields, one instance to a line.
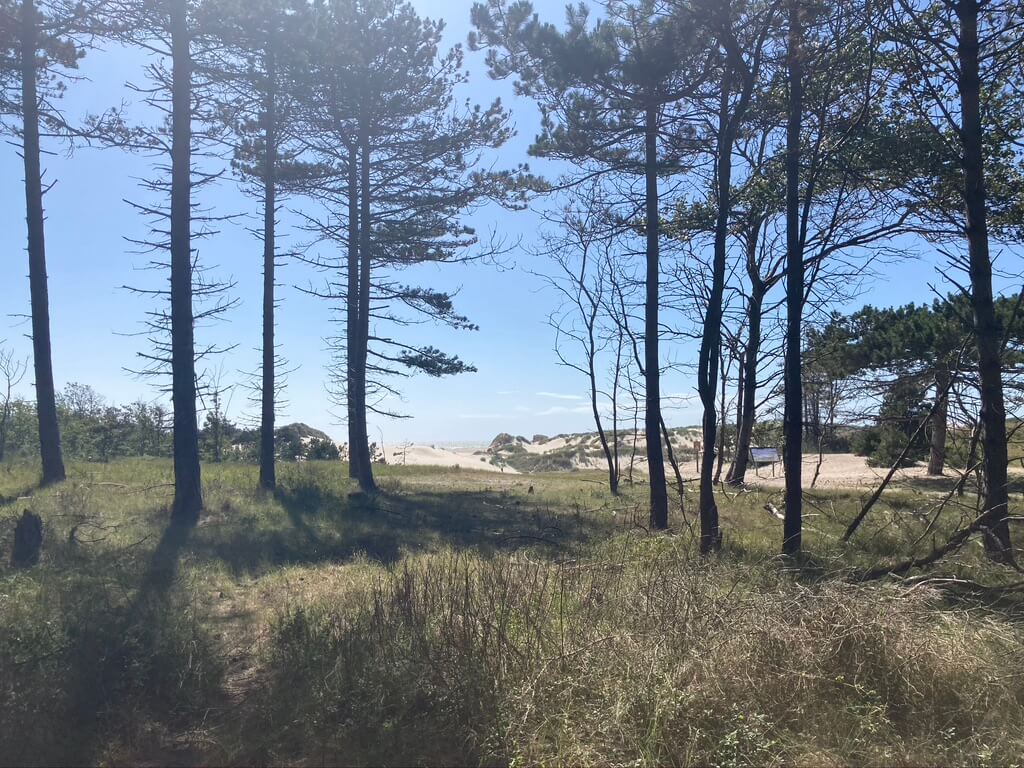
x=519, y=387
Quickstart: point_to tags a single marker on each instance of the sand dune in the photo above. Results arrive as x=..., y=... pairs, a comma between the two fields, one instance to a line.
x=837, y=470
x=417, y=455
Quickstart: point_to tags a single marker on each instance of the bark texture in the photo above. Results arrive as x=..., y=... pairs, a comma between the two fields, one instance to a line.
x=268, y=469
x=940, y=422
x=986, y=326
x=46, y=395
x=652, y=360
x=793, y=415
x=357, y=391
x=188, y=493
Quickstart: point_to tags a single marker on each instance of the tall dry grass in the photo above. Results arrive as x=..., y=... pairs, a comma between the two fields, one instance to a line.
x=460, y=619
x=639, y=656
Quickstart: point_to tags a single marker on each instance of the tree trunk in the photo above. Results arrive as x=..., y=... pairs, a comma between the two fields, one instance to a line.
x=613, y=474
x=986, y=326
x=740, y=386
x=720, y=458
x=737, y=475
x=792, y=427
x=362, y=444
x=671, y=455
x=937, y=458
x=188, y=493
x=268, y=470
x=615, y=412
x=352, y=316
x=652, y=359
x=711, y=340
x=46, y=397
x=3, y=432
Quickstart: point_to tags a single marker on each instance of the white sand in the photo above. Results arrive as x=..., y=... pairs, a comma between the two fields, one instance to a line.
x=434, y=456
x=837, y=470
x=845, y=470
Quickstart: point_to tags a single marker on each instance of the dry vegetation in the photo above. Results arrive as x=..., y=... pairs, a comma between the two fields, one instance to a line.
x=458, y=618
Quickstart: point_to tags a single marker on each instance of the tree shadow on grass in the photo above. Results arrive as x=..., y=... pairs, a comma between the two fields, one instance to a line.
x=163, y=564
x=325, y=525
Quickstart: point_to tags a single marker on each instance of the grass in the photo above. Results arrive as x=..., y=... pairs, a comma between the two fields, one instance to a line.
x=473, y=618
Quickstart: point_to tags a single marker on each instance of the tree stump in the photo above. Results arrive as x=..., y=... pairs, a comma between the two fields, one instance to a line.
x=28, y=540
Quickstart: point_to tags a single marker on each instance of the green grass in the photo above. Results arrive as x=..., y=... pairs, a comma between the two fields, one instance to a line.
x=473, y=618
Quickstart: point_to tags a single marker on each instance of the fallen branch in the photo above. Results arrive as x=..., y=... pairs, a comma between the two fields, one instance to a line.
x=855, y=523
x=954, y=543
x=966, y=585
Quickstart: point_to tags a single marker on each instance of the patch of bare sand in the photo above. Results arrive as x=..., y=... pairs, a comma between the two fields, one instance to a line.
x=417, y=455
x=845, y=470
x=554, y=444
x=838, y=470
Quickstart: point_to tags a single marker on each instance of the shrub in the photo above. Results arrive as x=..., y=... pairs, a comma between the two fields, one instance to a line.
x=865, y=441
x=900, y=416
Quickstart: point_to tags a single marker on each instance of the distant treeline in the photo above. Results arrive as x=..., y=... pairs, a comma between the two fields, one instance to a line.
x=96, y=430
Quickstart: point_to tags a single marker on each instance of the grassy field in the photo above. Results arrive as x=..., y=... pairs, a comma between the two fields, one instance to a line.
x=473, y=618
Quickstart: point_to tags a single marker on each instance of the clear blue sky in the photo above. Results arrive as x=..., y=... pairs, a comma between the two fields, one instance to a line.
x=519, y=387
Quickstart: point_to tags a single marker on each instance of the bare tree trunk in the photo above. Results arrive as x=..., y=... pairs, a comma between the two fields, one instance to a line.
x=671, y=454
x=268, y=470
x=820, y=461
x=188, y=492
x=636, y=427
x=710, y=349
x=986, y=327
x=720, y=459
x=792, y=426
x=652, y=361
x=745, y=433
x=46, y=396
x=940, y=422
x=9, y=373
x=362, y=444
x=613, y=475
x=352, y=317
x=615, y=408
x=740, y=386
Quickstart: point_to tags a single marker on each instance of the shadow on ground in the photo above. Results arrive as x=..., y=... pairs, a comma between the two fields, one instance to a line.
x=324, y=525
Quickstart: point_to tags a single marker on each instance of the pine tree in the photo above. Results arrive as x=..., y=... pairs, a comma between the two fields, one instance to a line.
x=741, y=35
x=610, y=94
x=380, y=111
x=182, y=88
x=958, y=75
x=40, y=45
x=263, y=44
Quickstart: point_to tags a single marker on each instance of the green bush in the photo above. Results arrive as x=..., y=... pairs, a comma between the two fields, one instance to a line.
x=865, y=441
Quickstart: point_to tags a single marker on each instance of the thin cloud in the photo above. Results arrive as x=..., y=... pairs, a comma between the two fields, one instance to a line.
x=559, y=396
x=557, y=410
